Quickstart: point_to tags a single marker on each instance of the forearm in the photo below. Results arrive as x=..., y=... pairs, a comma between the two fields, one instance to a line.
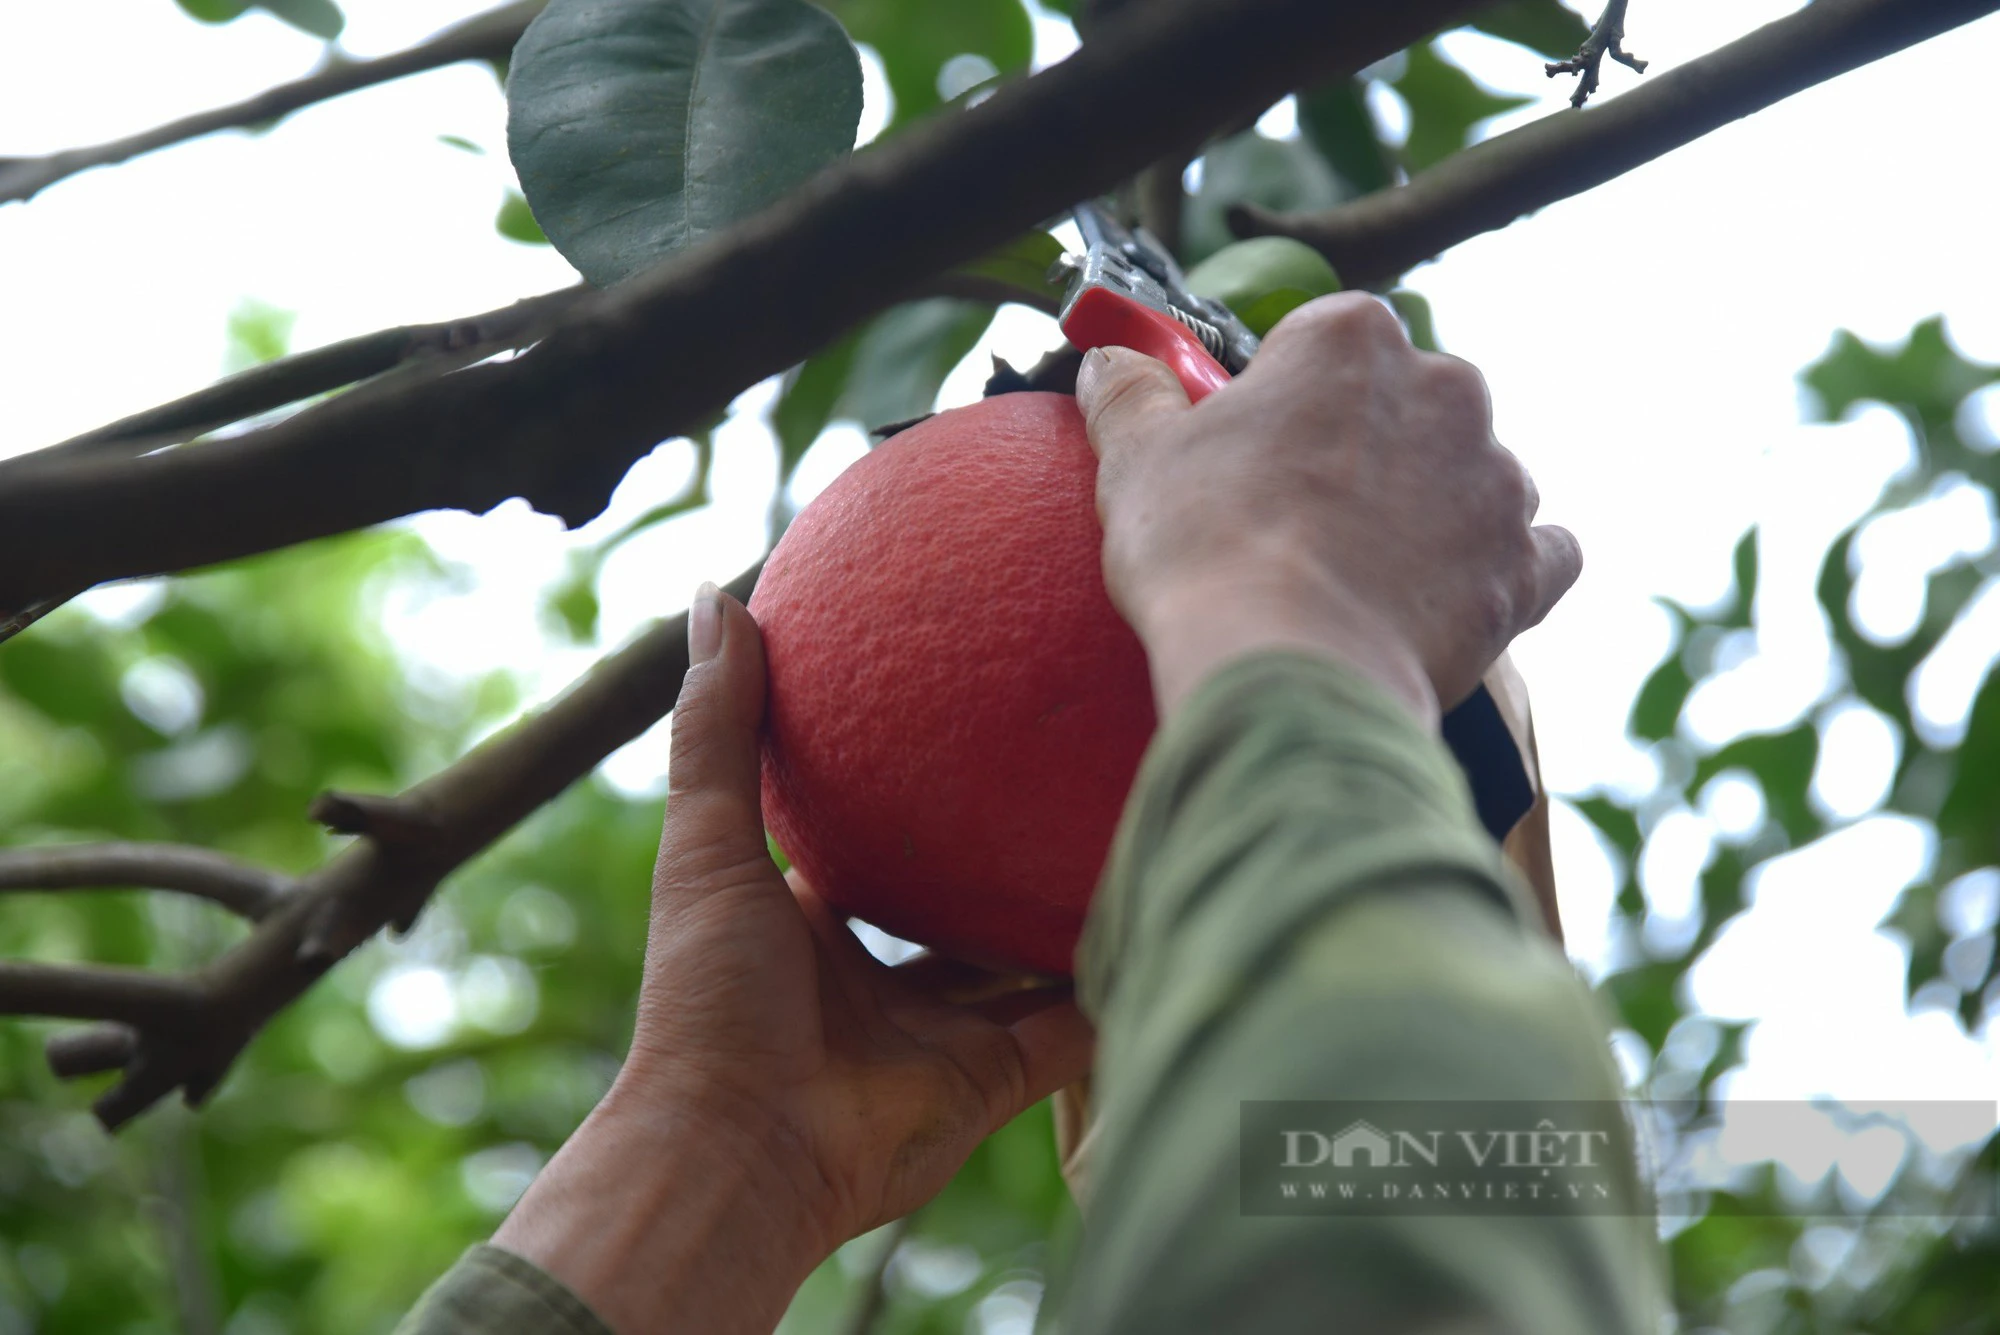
x=1300, y=906
x=663, y=1222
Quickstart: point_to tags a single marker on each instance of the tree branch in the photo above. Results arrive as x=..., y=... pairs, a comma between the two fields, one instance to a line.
x=184, y=1033
x=240, y=887
x=1607, y=38
x=97, y=992
x=627, y=368
x=1374, y=239
x=488, y=36
x=438, y=347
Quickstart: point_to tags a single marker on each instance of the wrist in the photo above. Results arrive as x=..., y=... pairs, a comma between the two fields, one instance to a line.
x=1195, y=625
x=663, y=1218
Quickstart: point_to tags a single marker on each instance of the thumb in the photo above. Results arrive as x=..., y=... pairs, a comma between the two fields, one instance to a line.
x=1125, y=397
x=715, y=824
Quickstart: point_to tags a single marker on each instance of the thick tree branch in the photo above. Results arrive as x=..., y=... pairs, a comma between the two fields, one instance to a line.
x=1607, y=38
x=629, y=367
x=178, y=1033
x=241, y=887
x=488, y=36
x=1374, y=239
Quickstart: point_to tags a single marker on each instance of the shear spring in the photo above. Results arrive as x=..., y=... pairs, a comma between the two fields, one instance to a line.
x=1211, y=337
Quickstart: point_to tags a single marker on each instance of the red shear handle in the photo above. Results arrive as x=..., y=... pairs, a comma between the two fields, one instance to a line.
x=1101, y=317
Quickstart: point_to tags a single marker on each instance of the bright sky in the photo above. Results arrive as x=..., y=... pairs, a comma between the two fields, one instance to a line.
x=1641, y=342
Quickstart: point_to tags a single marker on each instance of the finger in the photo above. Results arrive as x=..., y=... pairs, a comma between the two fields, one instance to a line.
x=1010, y=1008
x=1057, y=1046
x=957, y=983
x=1558, y=562
x=1531, y=494
x=714, y=830
x=1125, y=397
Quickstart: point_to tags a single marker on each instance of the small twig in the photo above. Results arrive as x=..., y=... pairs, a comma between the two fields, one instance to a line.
x=240, y=887
x=80, y=1052
x=488, y=36
x=387, y=820
x=1373, y=239
x=96, y=992
x=1607, y=38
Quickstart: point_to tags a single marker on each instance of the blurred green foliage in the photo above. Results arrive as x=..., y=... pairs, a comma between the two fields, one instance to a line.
x=1752, y=1261
x=352, y=1154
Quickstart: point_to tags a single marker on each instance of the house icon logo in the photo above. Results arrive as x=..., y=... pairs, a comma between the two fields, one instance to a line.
x=1363, y=1145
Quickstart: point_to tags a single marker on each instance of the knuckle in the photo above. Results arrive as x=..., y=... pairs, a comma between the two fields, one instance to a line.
x=1341, y=317
x=1458, y=387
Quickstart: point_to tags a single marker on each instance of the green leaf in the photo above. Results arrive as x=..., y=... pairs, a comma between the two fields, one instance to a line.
x=214, y=11
x=1282, y=174
x=1616, y=823
x=1656, y=710
x=1446, y=106
x=516, y=221
x=1743, y=591
x=1335, y=120
x=460, y=142
x=1025, y=264
x=258, y=332
x=1263, y=279
x=1924, y=380
x=321, y=18
x=1971, y=810
x=806, y=403
x=1545, y=26
x=639, y=127
x=1415, y=308
x=916, y=38
x=889, y=371
x=904, y=357
x=1783, y=765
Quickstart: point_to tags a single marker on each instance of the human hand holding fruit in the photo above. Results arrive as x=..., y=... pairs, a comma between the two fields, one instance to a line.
x=785, y=1091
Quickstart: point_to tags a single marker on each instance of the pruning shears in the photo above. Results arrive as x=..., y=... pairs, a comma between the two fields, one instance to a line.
x=1126, y=290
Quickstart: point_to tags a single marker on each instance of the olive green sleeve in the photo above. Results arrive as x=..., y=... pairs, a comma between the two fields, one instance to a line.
x=494, y=1292
x=1301, y=905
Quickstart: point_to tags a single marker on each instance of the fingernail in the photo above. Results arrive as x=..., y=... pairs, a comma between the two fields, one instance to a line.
x=705, y=624
x=1096, y=362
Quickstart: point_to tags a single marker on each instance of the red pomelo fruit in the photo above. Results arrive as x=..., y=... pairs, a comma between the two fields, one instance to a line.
x=956, y=711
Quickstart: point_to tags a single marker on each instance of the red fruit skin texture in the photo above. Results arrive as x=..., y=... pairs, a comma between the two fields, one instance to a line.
x=956, y=711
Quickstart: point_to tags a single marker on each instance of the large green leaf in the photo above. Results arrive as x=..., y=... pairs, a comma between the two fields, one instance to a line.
x=1336, y=121
x=1446, y=106
x=889, y=371
x=1542, y=25
x=1026, y=264
x=917, y=38
x=1282, y=174
x=638, y=127
x=321, y=18
x=1263, y=279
